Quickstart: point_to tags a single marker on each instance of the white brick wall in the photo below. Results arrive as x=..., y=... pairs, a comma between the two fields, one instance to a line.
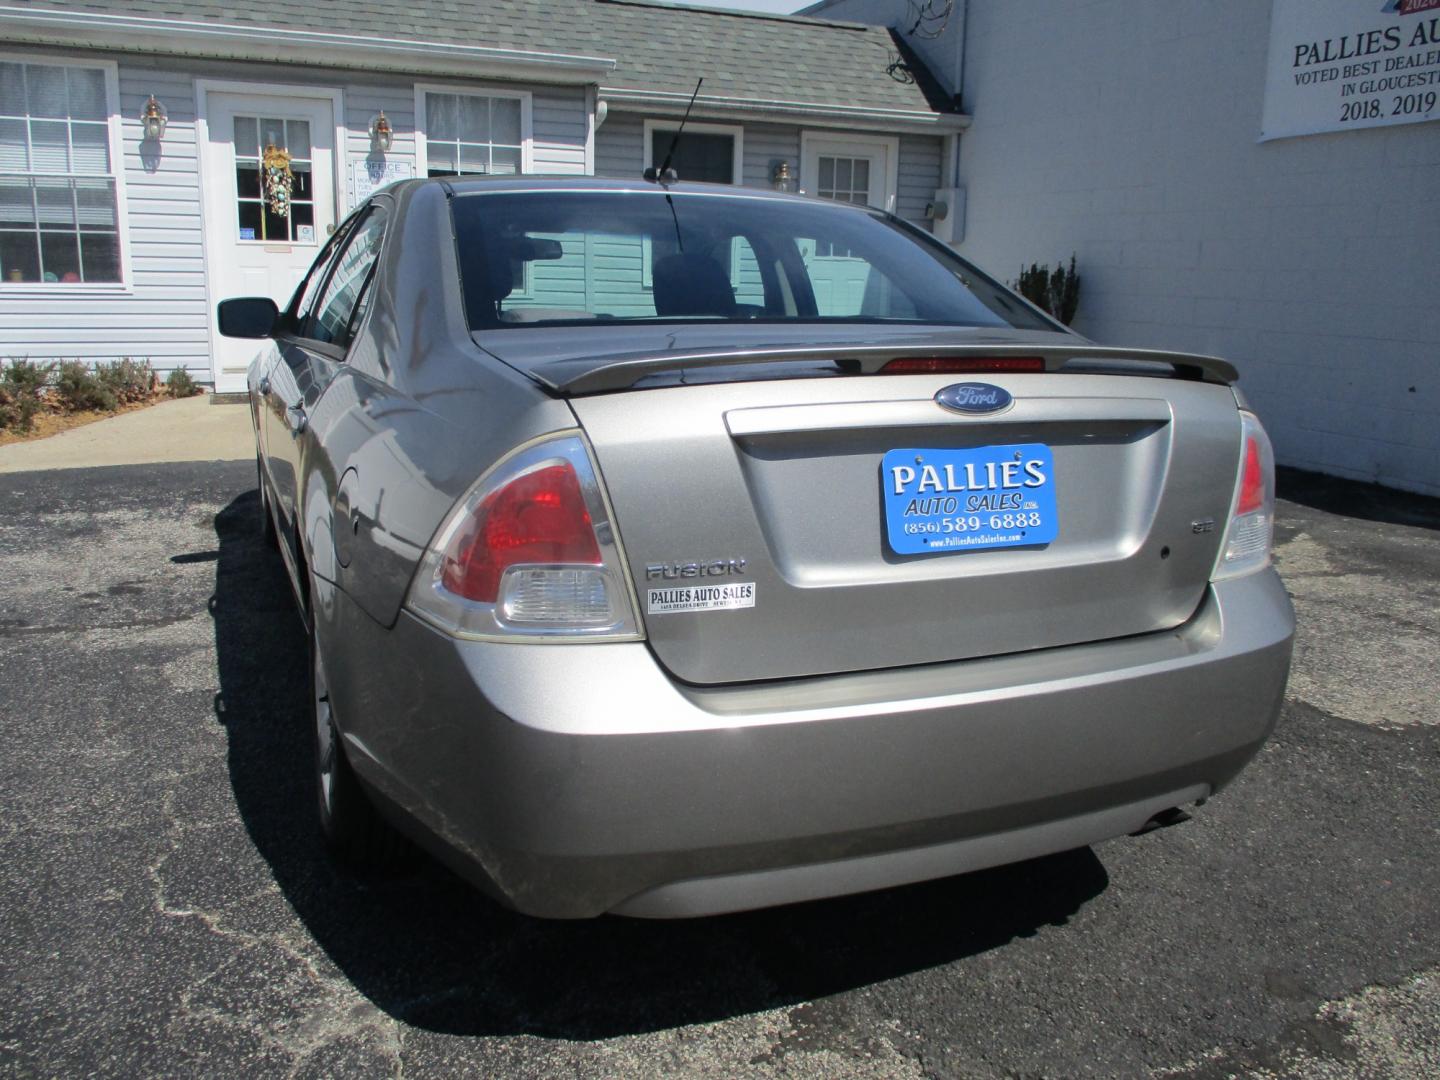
x=1125, y=131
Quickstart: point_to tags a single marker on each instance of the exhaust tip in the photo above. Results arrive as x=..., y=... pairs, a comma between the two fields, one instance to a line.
x=1163, y=820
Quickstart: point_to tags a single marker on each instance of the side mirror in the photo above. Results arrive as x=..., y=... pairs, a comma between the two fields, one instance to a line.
x=248, y=317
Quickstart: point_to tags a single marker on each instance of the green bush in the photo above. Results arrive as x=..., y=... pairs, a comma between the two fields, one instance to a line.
x=1057, y=291
x=78, y=389
x=17, y=411
x=22, y=390
x=180, y=384
x=129, y=380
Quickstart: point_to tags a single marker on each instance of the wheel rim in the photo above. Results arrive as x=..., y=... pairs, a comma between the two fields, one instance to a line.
x=326, y=745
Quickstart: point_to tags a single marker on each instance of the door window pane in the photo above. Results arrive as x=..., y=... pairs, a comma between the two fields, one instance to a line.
x=256, y=215
x=844, y=179
x=247, y=137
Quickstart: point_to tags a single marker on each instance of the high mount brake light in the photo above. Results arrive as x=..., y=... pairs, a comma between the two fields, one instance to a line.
x=529, y=552
x=926, y=365
x=1247, y=543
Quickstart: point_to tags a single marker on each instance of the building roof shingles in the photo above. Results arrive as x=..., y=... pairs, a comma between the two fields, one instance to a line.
x=657, y=47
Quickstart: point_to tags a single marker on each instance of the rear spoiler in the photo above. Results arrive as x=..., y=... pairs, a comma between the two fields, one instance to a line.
x=583, y=375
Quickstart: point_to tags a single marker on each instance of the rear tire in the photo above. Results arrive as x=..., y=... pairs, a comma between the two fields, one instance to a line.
x=354, y=832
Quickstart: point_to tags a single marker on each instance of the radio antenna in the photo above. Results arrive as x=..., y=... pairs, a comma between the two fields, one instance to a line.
x=665, y=174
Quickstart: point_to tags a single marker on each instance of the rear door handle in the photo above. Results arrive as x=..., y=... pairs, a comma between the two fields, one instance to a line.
x=264, y=385
x=295, y=414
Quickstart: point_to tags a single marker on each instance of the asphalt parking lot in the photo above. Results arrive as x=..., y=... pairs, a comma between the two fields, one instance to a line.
x=165, y=908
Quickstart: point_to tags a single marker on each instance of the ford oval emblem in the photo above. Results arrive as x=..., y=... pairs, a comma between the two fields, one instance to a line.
x=974, y=397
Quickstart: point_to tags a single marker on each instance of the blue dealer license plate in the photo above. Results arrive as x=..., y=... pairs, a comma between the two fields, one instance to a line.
x=969, y=500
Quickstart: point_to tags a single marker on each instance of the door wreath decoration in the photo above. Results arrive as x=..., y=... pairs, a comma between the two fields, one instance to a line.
x=278, y=179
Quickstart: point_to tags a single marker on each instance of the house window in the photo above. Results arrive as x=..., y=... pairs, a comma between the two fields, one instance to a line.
x=706, y=153
x=473, y=134
x=59, y=219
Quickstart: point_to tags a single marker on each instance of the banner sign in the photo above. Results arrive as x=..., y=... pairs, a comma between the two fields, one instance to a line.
x=1341, y=64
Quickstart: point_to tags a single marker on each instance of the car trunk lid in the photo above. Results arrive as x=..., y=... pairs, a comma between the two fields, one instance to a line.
x=753, y=517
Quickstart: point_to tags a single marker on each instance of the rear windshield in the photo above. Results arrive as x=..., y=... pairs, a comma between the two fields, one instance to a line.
x=566, y=258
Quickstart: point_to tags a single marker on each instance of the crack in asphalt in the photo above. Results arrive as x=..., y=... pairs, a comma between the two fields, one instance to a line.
x=313, y=1033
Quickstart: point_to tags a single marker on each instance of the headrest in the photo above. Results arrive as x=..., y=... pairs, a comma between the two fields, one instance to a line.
x=686, y=284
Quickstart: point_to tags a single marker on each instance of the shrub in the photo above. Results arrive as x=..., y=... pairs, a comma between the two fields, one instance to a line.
x=129, y=380
x=17, y=411
x=180, y=384
x=1057, y=291
x=78, y=388
x=22, y=389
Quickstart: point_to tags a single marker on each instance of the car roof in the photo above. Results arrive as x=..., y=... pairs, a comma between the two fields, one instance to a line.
x=472, y=185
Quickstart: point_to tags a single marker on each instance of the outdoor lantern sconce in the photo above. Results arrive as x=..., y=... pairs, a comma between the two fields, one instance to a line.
x=153, y=119
x=783, y=179
x=381, y=137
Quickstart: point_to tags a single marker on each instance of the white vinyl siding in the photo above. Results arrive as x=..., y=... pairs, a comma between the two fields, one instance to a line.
x=558, y=123
x=766, y=145
x=620, y=146
x=919, y=175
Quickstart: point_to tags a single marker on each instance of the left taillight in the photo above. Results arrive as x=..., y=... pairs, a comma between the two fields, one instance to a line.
x=1250, y=530
x=529, y=553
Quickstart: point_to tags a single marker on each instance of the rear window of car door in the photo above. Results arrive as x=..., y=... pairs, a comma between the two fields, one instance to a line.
x=333, y=319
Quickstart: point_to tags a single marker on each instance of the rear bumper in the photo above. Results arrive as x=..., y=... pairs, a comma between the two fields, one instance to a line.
x=572, y=780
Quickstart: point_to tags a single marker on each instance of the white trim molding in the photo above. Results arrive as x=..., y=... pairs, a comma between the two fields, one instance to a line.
x=527, y=126
x=115, y=135
x=812, y=112
x=313, y=48
x=735, y=131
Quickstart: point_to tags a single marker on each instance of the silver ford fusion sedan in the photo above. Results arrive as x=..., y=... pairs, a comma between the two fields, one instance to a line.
x=674, y=550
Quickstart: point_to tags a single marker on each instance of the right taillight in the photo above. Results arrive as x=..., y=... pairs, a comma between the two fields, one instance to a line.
x=1248, y=535
x=529, y=553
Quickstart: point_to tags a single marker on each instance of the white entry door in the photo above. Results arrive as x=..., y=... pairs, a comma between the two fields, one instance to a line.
x=258, y=244
x=853, y=169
